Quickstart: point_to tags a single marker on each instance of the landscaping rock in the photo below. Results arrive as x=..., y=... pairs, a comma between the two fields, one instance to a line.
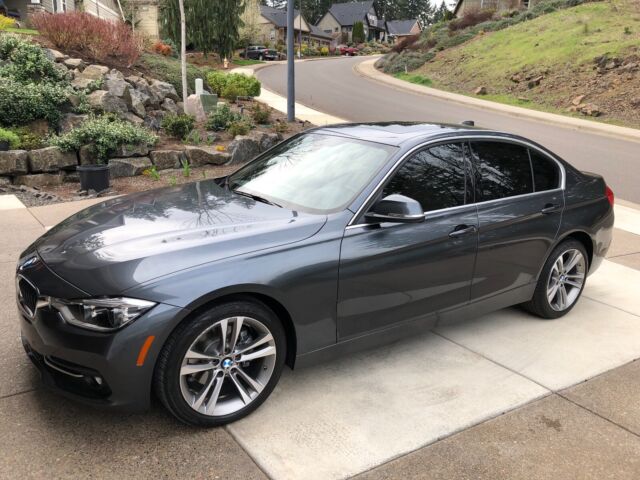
x=242, y=149
x=74, y=63
x=194, y=107
x=69, y=121
x=578, y=100
x=199, y=156
x=54, y=55
x=14, y=162
x=169, y=105
x=162, y=90
x=105, y=101
x=5, y=181
x=165, y=159
x=137, y=82
x=591, y=110
x=132, y=118
x=88, y=155
x=95, y=72
x=480, y=91
x=40, y=179
x=139, y=100
x=81, y=82
x=128, y=167
x=51, y=159
x=125, y=151
x=153, y=120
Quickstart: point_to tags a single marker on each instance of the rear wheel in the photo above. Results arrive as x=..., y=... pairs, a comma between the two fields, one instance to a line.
x=561, y=281
x=222, y=364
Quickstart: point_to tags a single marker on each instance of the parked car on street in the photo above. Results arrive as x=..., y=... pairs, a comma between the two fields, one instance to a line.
x=348, y=51
x=340, y=238
x=255, y=52
x=272, y=54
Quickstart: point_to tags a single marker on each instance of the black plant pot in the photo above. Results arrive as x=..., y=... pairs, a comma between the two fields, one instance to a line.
x=94, y=177
x=4, y=145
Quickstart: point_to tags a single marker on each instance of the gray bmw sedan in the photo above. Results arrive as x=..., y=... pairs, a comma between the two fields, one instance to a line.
x=338, y=239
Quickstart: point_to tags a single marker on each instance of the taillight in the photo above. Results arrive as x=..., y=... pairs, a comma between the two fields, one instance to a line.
x=609, y=194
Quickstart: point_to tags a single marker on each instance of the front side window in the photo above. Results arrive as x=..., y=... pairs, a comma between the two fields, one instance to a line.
x=546, y=173
x=435, y=177
x=313, y=172
x=505, y=169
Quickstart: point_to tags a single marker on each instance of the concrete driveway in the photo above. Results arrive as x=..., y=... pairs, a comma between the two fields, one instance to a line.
x=426, y=407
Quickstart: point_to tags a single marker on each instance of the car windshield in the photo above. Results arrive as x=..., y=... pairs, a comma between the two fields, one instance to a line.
x=312, y=172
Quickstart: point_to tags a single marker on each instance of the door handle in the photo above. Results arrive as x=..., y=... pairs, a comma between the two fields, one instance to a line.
x=461, y=230
x=550, y=208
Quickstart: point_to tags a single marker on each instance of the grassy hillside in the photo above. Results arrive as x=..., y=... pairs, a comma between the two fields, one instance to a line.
x=592, y=49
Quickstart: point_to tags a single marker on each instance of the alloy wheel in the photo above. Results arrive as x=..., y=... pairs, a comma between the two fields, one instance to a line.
x=227, y=366
x=566, y=279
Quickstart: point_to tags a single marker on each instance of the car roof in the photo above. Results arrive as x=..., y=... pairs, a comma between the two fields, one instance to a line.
x=397, y=133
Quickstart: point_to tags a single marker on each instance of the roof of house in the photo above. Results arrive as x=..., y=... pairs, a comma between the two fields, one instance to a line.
x=318, y=32
x=276, y=16
x=400, y=27
x=349, y=12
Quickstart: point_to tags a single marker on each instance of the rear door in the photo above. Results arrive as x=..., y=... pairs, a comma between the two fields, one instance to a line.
x=520, y=203
x=394, y=272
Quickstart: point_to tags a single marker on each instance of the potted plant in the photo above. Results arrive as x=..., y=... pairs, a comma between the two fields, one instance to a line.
x=94, y=175
x=8, y=140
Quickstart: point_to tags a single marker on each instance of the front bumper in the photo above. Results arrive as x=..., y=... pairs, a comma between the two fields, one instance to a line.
x=98, y=368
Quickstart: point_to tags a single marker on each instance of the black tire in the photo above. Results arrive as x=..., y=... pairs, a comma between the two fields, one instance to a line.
x=539, y=305
x=166, y=379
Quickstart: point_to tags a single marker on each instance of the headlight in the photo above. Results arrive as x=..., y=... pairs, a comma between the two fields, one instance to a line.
x=102, y=314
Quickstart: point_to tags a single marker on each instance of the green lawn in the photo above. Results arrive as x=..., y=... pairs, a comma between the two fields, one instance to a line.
x=414, y=78
x=244, y=62
x=22, y=31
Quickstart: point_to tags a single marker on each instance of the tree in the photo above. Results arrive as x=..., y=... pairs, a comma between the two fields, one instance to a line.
x=202, y=25
x=251, y=28
x=183, y=50
x=227, y=15
x=358, y=32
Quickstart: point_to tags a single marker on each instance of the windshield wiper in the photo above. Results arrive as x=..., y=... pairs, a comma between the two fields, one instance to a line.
x=257, y=198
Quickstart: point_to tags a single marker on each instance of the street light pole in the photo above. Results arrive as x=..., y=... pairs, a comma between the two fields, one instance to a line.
x=291, y=95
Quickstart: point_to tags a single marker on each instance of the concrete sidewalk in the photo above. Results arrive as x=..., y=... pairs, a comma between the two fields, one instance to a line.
x=432, y=406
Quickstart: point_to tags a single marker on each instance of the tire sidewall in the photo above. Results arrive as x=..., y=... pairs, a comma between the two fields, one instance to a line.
x=187, y=335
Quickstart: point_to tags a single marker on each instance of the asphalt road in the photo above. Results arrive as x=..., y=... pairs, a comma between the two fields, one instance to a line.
x=333, y=87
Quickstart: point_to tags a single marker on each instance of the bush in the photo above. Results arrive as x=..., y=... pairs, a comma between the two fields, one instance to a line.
x=260, y=114
x=6, y=22
x=239, y=127
x=471, y=18
x=178, y=125
x=245, y=86
x=93, y=37
x=9, y=136
x=168, y=70
x=29, y=140
x=231, y=92
x=162, y=48
x=405, y=61
x=107, y=133
x=358, y=32
x=221, y=118
x=28, y=62
x=21, y=103
x=324, y=51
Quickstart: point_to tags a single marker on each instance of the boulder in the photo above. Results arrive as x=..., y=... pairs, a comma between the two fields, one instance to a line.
x=137, y=82
x=480, y=91
x=5, y=181
x=14, y=162
x=591, y=110
x=162, y=90
x=105, y=101
x=124, y=151
x=69, y=121
x=95, y=72
x=39, y=179
x=578, y=100
x=132, y=118
x=169, y=106
x=242, y=149
x=269, y=140
x=54, y=55
x=51, y=159
x=139, y=100
x=128, y=167
x=114, y=83
x=199, y=156
x=194, y=107
x=74, y=63
x=81, y=83
x=165, y=159
x=153, y=120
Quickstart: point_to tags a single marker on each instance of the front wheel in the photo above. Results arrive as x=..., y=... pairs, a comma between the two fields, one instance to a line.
x=561, y=281
x=222, y=364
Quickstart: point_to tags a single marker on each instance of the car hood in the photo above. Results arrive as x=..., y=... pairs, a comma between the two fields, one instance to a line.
x=114, y=245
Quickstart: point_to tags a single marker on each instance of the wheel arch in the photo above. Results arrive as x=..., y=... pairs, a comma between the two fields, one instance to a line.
x=584, y=238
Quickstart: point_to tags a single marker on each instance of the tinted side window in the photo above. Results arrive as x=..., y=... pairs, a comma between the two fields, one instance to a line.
x=546, y=173
x=505, y=169
x=434, y=177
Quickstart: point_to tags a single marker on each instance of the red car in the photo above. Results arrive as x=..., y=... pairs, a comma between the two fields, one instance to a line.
x=348, y=51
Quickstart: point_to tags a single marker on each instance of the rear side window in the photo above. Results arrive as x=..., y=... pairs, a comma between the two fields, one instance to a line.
x=435, y=177
x=546, y=173
x=505, y=170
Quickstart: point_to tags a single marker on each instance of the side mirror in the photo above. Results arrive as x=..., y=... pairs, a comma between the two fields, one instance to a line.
x=396, y=209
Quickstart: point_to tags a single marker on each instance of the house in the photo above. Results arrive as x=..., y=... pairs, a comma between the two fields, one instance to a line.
x=341, y=17
x=144, y=16
x=465, y=6
x=270, y=25
x=398, y=29
x=107, y=9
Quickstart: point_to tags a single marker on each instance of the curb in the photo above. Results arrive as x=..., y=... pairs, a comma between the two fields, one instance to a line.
x=279, y=103
x=367, y=69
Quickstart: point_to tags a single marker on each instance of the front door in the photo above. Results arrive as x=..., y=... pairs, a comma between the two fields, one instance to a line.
x=520, y=205
x=392, y=272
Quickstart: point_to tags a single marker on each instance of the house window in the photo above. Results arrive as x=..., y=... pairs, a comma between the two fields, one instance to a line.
x=336, y=29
